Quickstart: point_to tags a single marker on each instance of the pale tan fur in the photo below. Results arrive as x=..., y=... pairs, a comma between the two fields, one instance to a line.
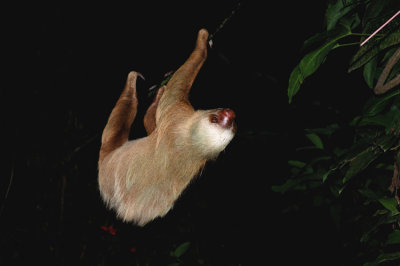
x=142, y=178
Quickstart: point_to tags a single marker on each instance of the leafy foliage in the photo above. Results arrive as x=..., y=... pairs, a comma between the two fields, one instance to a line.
x=178, y=252
x=358, y=175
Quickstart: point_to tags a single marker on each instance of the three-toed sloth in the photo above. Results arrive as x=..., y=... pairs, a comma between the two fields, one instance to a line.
x=142, y=178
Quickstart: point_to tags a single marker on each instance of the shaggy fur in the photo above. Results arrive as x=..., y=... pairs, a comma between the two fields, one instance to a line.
x=142, y=178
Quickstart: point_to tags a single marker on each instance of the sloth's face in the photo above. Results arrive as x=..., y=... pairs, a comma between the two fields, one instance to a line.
x=213, y=131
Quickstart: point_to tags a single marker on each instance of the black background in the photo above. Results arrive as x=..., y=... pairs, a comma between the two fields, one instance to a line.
x=68, y=66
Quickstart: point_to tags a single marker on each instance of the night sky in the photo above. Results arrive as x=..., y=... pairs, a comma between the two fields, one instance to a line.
x=68, y=66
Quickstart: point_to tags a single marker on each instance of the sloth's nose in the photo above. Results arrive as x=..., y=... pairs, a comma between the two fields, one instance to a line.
x=226, y=117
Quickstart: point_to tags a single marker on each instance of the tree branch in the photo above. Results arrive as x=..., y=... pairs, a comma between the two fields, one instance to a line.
x=381, y=87
x=395, y=185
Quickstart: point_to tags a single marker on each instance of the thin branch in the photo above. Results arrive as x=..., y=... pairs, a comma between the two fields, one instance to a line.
x=222, y=24
x=395, y=185
x=8, y=190
x=345, y=44
x=381, y=87
x=210, y=43
x=62, y=199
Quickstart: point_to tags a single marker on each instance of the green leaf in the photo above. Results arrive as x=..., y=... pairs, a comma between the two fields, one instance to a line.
x=361, y=161
x=368, y=193
x=391, y=40
x=378, y=120
x=380, y=213
x=386, y=142
x=325, y=176
x=290, y=183
x=312, y=61
x=394, y=237
x=336, y=10
x=384, y=257
x=316, y=140
x=379, y=103
x=369, y=72
x=322, y=37
x=295, y=80
x=180, y=250
x=386, y=218
x=305, y=179
x=350, y=22
x=327, y=130
x=295, y=163
x=377, y=44
x=307, y=66
x=363, y=55
x=374, y=8
x=388, y=257
x=390, y=204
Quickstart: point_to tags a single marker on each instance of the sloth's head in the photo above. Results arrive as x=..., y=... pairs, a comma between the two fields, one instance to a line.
x=212, y=131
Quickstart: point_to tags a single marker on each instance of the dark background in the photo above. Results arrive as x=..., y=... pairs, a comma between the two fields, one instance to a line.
x=68, y=66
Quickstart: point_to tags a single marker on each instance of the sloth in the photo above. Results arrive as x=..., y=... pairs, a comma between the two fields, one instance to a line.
x=141, y=179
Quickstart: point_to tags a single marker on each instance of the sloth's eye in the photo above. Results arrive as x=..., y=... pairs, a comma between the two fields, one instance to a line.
x=214, y=119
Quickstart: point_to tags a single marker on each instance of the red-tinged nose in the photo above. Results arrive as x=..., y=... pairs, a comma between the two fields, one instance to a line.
x=226, y=117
